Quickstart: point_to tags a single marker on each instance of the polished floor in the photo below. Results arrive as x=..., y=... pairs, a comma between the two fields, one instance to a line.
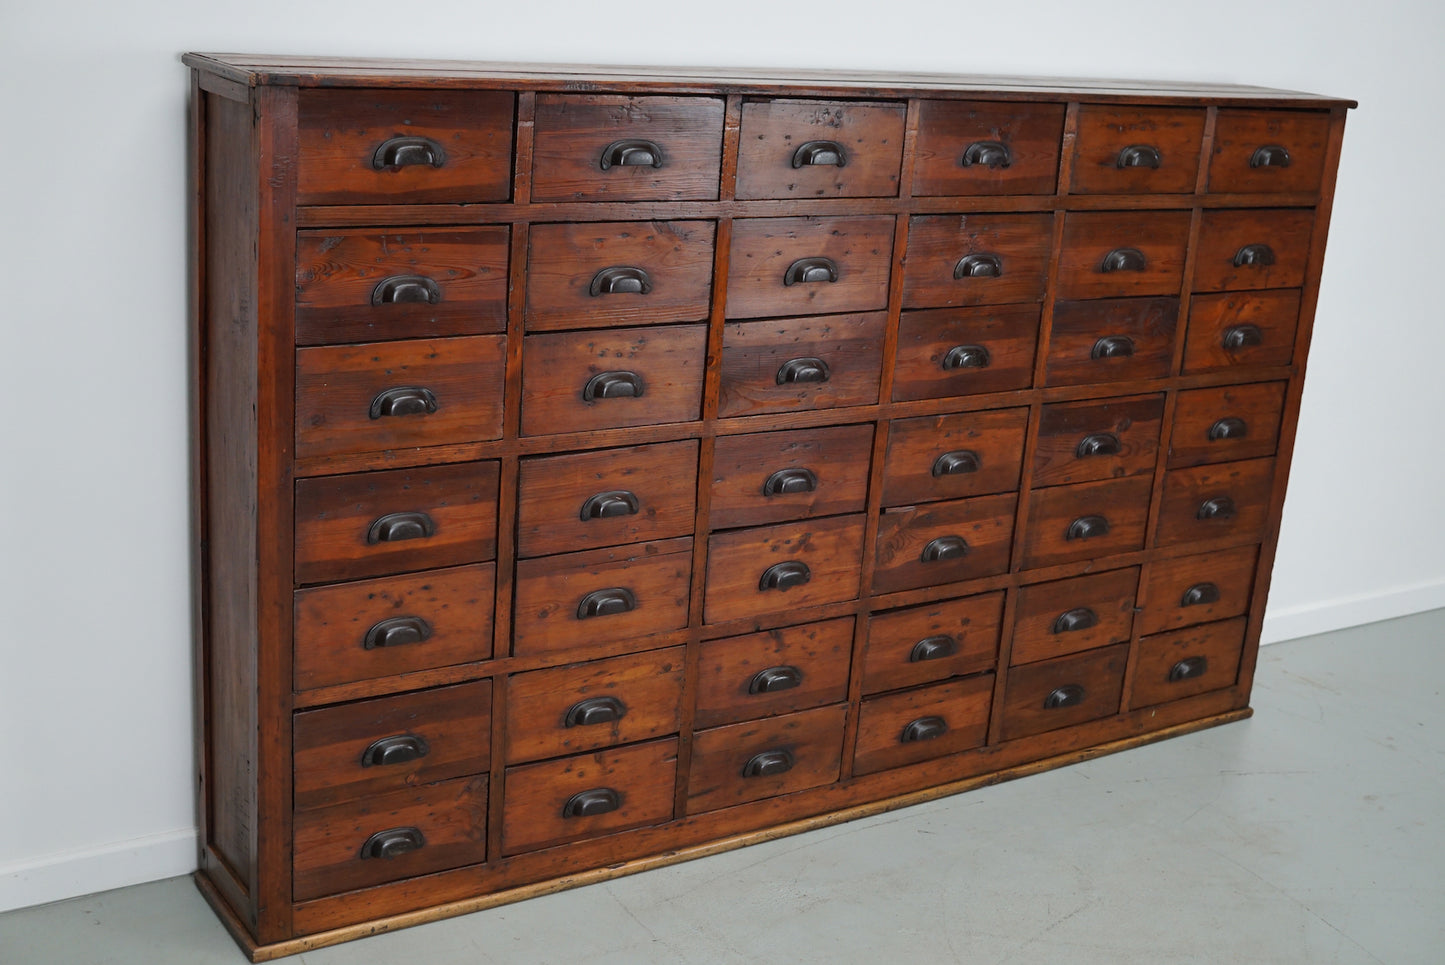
x=1312, y=833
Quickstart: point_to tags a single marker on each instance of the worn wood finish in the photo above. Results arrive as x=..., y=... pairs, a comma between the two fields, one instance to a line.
x=758, y=759
x=1109, y=255
x=1187, y=662
x=1111, y=340
x=956, y=152
x=976, y=259
x=994, y=351
x=1278, y=239
x=1223, y=501
x=1063, y=692
x=830, y=552
x=766, y=277
x=919, y=645
x=1086, y=520
x=1112, y=154
x=773, y=366
x=1069, y=616
x=1241, y=330
x=1232, y=422
x=729, y=685
x=1196, y=589
x=981, y=453
x=1087, y=441
x=914, y=725
x=819, y=149
x=769, y=477
x=943, y=542
x=1239, y=135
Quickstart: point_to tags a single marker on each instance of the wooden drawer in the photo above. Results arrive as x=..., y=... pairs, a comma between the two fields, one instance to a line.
x=398, y=395
x=1242, y=330
x=1197, y=589
x=775, y=672
x=607, y=147
x=820, y=149
x=606, y=497
x=764, y=758
x=1229, y=422
x=1225, y=501
x=984, y=147
x=575, y=382
x=1111, y=340
x=373, y=523
x=952, y=456
x=588, y=796
x=1058, y=693
x=787, y=567
x=1129, y=150
x=946, y=542
x=964, y=351
x=1086, y=520
x=1111, y=254
x=618, y=273
x=977, y=259
x=1085, y=441
x=1181, y=664
x=403, y=146
x=389, y=743
x=587, y=706
x=601, y=596
x=1069, y=616
x=389, y=837
x=769, y=477
x=1255, y=248
x=916, y=725
x=367, y=286
x=1277, y=152
x=807, y=266
x=921, y=644
x=801, y=363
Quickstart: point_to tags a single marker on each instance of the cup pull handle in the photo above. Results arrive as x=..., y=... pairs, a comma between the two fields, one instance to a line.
x=785, y=575
x=984, y=265
x=395, y=527
x=807, y=369
x=1072, y=621
x=403, y=400
x=620, y=280
x=956, y=463
x=966, y=357
x=613, y=385
x=1237, y=337
x=631, y=153
x=1124, y=259
x=401, y=749
x=1228, y=428
x=399, y=152
x=606, y=603
x=933, y=648
x=595, y=710
x=769, y=763
x=1087, y=527
x=820, y=153
x=393, y=843
x=1139, y=156
x=1069, y=695
x=1112, y=347
x=992, y=154
x=1254, y=256
x=923, y=729
x=592, y=802
x=1219, y=507
x=1200, y=594
x=1097, y=444
x=397, y=632
x=806, y=271
x=786, y=482
x=774, y=679
x=406, y=289
x=1269, y=156
x=1188, y=669
x=617, y=502
x=945, y=548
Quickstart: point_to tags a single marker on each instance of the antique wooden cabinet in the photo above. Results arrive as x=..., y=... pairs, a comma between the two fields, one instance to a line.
x=601, y=467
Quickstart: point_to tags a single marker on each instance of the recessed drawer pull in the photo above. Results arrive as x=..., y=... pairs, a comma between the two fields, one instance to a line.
x=399, y=152
x=1113, y=347
x=592, y=802
x=807, y=369
x=809, y=270
x=393, y=843
x=618, y=502
x=1087, y=527
x=1254, y=256
x=945, y=548
x=1269, y=156
x=933, y=648
x=978, y=266
x=631, y=153
x=395, y=527
x=769, y=764
x=400, y=749
x=1124, y=259
x=403, y=400
x=1140, y=156
x=1237, y=337
x=966, y=357
x=595, y=710
x=1200, y=594
x=606, y=603
x=771, y=680
x=1229, y=428
x=956, y=463
x=613, y=385
x=1188, y=669
x=1220, y=507
x=786, y=482
x=782, y=576
x=993, y=154
x=397, y=632
x=1072, y=621
x=1097, y=444
x=923, y=729
x=1069, y=695
x=820, y=153
x=406, y=290
x=620, y=280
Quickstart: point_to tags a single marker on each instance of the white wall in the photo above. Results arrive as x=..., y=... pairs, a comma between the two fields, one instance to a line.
x=95, y=702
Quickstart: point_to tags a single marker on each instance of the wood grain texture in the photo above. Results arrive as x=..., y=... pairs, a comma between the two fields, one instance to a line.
x=1173, y=134
x=1240, y=134
x=1230, y=422
x=918, y=645
x=1238, y=492
x=1086, y=441
x=908, y=554
x=1111, y=340
x=998, y=346
x=1187, y=662
x=987, y=450
x=1196, y=589
x=761, y=364
x=729, y=688
x=834, y=459
x=1090, y=238
x=939, y=275
x=1054, y=533
x=773, y=161
x=947, y=129
x=764, y=249
x=829, y=550
x=1094, y=680
x=1043, y=628
x=804, y=750
x=1242, y=331
x=1226, y=236
x=884, y=737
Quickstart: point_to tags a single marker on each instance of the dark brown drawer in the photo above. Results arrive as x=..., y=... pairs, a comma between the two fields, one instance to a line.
x=944, y=542
x=1058, y=693
x=921, y=644
x=398, y=395
x=1111, y=340
x=820, y=149
x=403, y=147
x=964, y=351
x=1183, y=663
x=1197, y=589
x=801, y=363
x=1256, y=248
x=1069, y=616
x=365, y=286
x=389, y=837
x=1110, y=254
x=389, y=743
x=373, y=523
x=769, y=477
x=574, y=382
x=1225, y=501
x=1086, y=520
x=1229, y=422
x=1268, y=151
x=565, y=710
x=984, y=147
x=953, y=456
x=788, y=567
x=977, y=259
x=606, y=497
x=392, y=626
x=916, y=725
x=1241, y=330
x=618, y=273
x=775, y=672
x=1085, y=441
x=808, y=266
x=607, y=147
x=601, y=596
x=1128, y=150
x=764, y=758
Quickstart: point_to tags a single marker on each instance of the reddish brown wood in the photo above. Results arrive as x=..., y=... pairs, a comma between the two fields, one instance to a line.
x=1102, y=164
x=1279, y=236
x=773, y=366
x=1063, y=692
x=914, y=725
x=1091, y=238
x=1068, y=616
x=758, y=759
x=923, y=644
x=1244, y=489
x=1064, y=520
x=1087, y=441
x=925, y=369
x=976, y=260
x=848, y=258
x=1238, y=330
x=980, y=453
x=819, y=149
x=1111, y=340
x=730, y=688
x=769, y=477
x=1240, y=135
x=943, y=542
x=1232, y=422
x=1187, y=662
x=1029, y=136
x=1196, y=589
x=824, y=553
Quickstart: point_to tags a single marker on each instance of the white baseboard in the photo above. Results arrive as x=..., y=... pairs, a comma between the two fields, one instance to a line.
x=54, y=877
x=1351, y=611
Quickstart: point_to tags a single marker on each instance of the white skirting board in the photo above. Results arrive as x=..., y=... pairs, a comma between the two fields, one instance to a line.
x=54, y=877
x=1290, y=623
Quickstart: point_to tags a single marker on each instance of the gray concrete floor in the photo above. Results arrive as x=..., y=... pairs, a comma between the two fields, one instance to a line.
x=1313, y=833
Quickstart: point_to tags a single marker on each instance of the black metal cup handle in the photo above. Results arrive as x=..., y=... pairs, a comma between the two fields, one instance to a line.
x=991, y=154
x=984, y=265
x=395, y=527
x=1098, y=444
x=1269, y=156
x=923, y=729
x=966, y=357
x=1112, y=347
x=606, y=603
x=1200, y=594
x=956, y=463
x=933, y=648
x=1072, y=621
x=616, y=502
x=1230, y=427
x=772, y=680
x=1124, y=259
x=945, y=548
x=1188, y=669
x=1069, y=695
x=592, y=802
x=403, y=400
x=633, y=152
x=1087, y=527
x=393, y=843
x=406, y=290
x=399, y=152
x=1254, y=256
x=769, y=763
x=1139, y=156
x=820, y=153
x=806, y=271
x=802, y=370
x=613, y=385
x=396, y=632
x=1217, y=507
x=619, y=280
x=787, y=482
x=785, y=575
x=399, y=749
x=1237, y=337
x=594, y=710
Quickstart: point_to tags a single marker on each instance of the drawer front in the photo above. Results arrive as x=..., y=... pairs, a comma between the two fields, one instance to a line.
x=1229, y=422
x=977, y=259
x=1085, y=441
x=755, y=571
x=566, y=710
x=964, y=351
x=389, y=837
x=1127, y=150
x=775, y=672
x=793, y=364
x=982, y=147
x=1109, y=254
x=393, y=626
x=365, y=286
x=605, y=147
x=390, y=743
x=601, y=596
x=1197, y=589
x=1187, y=662
x=916, y=725
x=1274, y=152
x=819, y=149
x=374, y=523
x=606, y=497
x=577, y=382
x=1229, y=500
x=588, y=796
x=1070, y=616
x=953, y=456
x=921, y=644
x=769, y=477
x=764, y=758
x=1241, y=330
x=1111, y=340
x=395, y=395
x=946, y=542
x=1058, y=693
x=1086, y=521
x=807, y=266
x=618, y=273
x=1257, y=248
